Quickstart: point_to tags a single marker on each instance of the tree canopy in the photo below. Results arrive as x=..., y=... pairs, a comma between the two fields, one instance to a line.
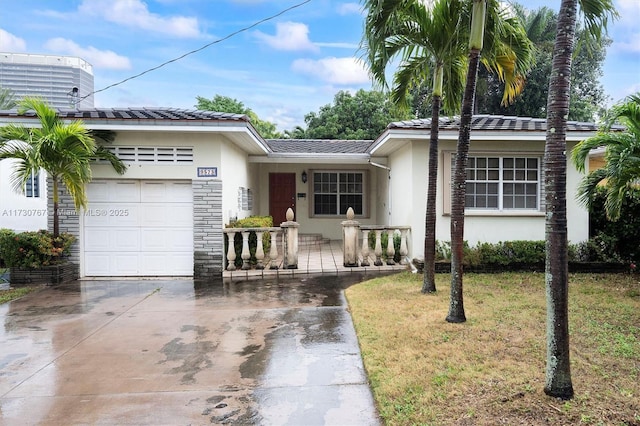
x=587, y=93
x=361, y=116
x=221, y=103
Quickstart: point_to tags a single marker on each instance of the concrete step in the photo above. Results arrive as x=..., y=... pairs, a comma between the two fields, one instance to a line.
x=311, y=239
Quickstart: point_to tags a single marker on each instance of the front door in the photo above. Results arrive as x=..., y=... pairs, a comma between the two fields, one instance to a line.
x=282, y=195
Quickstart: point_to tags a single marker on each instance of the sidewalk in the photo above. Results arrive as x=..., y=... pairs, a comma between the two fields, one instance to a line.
x=322, y=257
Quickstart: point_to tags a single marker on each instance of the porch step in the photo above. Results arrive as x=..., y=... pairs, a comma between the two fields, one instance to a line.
x=306, y=240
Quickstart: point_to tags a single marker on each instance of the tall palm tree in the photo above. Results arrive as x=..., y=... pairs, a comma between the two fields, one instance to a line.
x=64, y=150
x=431, y=39
x=507, y=40
x=621, y=171
x=596, y=14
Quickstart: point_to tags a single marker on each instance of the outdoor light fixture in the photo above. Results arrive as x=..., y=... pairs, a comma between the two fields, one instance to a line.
x=304, y=176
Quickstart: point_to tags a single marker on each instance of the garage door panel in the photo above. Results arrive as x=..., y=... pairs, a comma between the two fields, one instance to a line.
x=154, y=215
x=125, y=239
x=98, y=264
x=147, y=228
x=181, y=239
x=182, y=264
x=125, y=191
x=126, y=264
x=154, y=192
x=98, y=191
x=96, y=239
x=180, y=192
x=181, y=215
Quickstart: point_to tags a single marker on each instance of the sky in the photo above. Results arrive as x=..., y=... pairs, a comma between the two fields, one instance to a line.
x=282, y=68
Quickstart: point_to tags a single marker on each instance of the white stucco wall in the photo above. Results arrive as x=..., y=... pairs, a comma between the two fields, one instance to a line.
x=409, y=187
x=235, y=172
x=17, y=211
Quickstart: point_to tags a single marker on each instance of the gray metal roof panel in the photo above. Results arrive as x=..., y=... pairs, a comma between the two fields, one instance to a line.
x=492, y=123
x=319, y=146
x=170, y=114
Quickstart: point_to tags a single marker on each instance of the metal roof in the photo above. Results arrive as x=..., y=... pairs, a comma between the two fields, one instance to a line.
x=493, y=123
x=318, y=146
x=136, y=114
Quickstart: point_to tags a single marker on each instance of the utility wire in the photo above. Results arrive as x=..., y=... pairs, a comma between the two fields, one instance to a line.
x=255, y=24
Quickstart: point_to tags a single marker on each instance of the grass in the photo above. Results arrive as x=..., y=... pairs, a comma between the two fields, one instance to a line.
x=14, y=293
x=491, y=369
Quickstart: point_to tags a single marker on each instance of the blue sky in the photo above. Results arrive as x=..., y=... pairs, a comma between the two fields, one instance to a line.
x=283, y=68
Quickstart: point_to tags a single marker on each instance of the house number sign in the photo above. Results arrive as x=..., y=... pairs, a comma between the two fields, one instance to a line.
x=207, y=172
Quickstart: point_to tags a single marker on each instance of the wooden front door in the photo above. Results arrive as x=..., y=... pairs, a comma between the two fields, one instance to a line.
x=282, y=195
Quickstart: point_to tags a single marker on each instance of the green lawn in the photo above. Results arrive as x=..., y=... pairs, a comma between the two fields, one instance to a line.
x=491, y=369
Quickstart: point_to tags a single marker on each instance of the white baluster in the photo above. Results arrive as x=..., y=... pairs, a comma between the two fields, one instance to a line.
x=231, y=251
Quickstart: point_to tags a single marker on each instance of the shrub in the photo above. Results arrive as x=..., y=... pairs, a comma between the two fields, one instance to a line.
x=614, y=241
x=33, y=249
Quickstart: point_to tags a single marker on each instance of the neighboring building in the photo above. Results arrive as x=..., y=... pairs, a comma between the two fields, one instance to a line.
x=52, y=78
x=22, y=211
x=191, y=172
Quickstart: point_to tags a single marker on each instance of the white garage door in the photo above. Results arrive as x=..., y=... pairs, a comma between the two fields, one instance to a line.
x=138, y=228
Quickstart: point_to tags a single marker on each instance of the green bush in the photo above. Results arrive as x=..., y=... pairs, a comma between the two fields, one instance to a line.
x=33, y=249
x=614, y=241
x=250, y=222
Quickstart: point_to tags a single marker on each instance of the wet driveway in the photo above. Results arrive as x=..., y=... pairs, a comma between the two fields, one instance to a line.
x=179, y=352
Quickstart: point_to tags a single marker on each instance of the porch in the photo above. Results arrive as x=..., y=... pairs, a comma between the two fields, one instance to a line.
x=315, y=256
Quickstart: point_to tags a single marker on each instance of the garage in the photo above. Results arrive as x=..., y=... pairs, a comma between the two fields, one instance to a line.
x=138, y=228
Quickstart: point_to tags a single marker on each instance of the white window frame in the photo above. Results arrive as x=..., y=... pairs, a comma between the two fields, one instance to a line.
x=33, y=190
x=364, y=193
x=448, y=161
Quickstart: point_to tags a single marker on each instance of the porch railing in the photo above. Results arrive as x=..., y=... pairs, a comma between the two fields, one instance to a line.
x=260, y=254
x=378, y=251
x=381, y=244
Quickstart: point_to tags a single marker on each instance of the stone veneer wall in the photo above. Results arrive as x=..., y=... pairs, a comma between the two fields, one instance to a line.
x=208, y=243
x=68, y=218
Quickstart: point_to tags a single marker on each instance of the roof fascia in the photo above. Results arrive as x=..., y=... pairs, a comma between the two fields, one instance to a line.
x=313, y=158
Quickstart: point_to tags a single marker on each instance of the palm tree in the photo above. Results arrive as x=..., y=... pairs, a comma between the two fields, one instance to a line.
x=64, y=151
x=7, y=99
x=507, y=40
x=431, y=40
x=596, y=14
x=622, y=157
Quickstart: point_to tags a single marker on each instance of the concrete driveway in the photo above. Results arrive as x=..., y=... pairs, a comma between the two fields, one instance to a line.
x=179, y=352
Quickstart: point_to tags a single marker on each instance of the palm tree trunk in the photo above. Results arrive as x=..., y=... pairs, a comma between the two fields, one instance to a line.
x=459, y=184
x=56, y=230
x=429, y=281
x=459, y=190
x=558, y=371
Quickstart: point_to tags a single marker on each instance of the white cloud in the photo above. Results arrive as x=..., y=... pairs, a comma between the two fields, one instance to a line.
x=632, y=45
x=97, y=58
x=629, y=11
x=11, y=43
x=332, y=70
x=292, y=36
x=135, y=14
x=350, y=9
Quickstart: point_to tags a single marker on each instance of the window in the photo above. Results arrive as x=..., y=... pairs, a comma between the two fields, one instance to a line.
x=32, y=188
x=503, y=183
x=335, y=192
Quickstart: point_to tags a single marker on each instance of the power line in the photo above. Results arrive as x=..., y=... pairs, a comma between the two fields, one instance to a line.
x=255, y=24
